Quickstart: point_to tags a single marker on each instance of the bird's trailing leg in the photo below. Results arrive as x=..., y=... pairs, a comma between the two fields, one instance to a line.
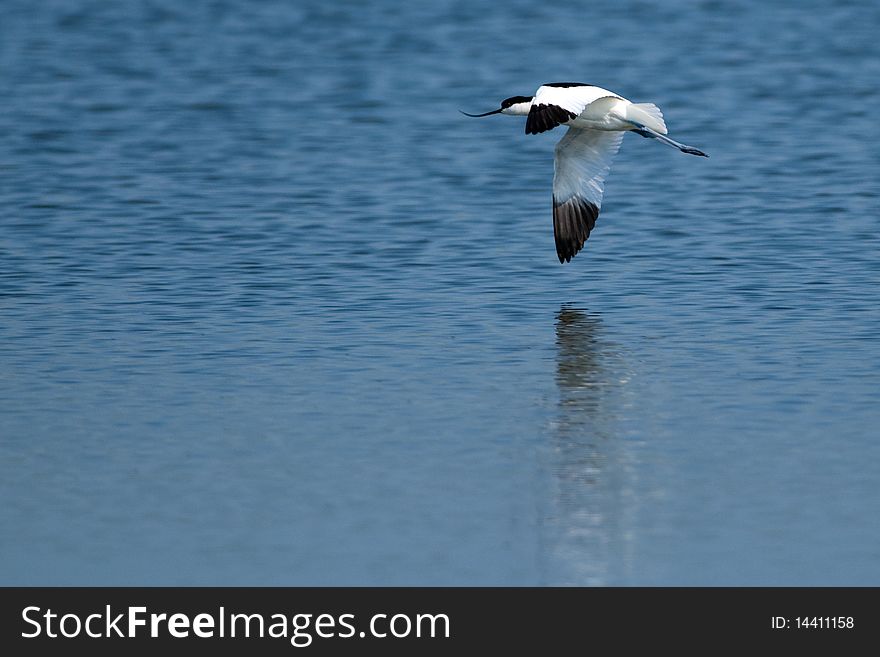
x=644, y=131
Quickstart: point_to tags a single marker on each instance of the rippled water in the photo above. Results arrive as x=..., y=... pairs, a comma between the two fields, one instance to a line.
x=273, y=312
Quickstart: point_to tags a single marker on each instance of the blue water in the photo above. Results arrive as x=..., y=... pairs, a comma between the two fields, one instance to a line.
x=273, y=312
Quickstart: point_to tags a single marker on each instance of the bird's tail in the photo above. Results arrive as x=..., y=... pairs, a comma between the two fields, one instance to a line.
x=648, y=115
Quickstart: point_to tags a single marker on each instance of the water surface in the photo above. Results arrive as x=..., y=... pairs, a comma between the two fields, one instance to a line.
x=273, y=312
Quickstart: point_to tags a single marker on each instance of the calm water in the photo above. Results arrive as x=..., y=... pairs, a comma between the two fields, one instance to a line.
x=273, y=312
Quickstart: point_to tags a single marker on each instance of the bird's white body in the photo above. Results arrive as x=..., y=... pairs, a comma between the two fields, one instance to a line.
x=597, y=120
x=595, y=108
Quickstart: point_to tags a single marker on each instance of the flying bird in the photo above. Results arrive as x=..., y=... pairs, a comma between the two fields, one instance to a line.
x=597, y=120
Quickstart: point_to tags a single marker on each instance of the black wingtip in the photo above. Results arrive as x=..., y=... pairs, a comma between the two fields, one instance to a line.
x=572, y=222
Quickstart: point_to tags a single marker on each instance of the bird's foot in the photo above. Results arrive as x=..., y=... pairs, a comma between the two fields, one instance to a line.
x=693, y=151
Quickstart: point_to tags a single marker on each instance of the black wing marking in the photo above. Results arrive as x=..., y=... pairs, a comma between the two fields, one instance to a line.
x=546, y=117
x=565, y=85
x=572, y=222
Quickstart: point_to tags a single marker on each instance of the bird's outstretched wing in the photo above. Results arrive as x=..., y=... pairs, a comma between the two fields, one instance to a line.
x=583, y=159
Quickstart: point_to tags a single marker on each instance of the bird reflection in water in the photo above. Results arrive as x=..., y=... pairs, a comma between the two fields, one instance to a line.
x=592, y=502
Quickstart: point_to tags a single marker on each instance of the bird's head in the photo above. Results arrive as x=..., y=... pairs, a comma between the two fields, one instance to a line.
x=515, y=105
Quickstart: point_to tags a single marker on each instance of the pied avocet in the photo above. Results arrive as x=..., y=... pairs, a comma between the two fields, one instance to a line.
x=596, y=120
